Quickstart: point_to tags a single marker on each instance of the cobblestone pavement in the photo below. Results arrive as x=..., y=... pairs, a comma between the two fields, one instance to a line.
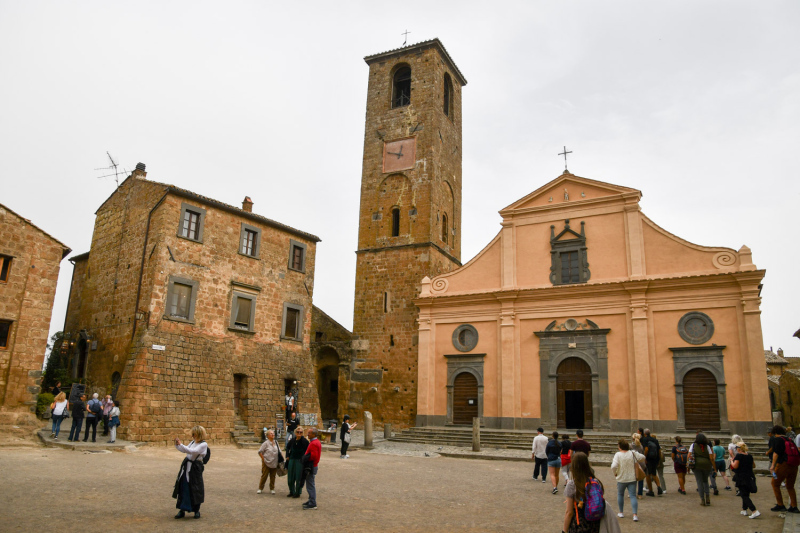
x=390, y=488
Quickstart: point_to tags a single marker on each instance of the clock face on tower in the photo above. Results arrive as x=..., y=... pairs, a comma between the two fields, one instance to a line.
x=399, y=155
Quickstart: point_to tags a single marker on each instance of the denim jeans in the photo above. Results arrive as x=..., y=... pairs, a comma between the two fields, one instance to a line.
x=57, y=419
x=311, y=487
x=701, y=476
x=631, y=488
x=75, y=429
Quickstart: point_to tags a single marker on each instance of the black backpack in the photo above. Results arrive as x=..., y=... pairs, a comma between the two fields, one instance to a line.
x=96, y=408
x=652, y=450
x=207, y=456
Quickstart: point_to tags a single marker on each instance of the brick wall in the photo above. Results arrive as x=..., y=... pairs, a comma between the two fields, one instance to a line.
x=26, y=299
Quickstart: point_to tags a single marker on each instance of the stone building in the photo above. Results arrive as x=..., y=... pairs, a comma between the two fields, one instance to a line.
x=29, y=263
x=788, y=393
x=583, y=313
x=190, y=310
x=409, y=221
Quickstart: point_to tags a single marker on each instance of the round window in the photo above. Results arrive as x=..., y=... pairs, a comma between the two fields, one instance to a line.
x=696, y=327
x=465, y=337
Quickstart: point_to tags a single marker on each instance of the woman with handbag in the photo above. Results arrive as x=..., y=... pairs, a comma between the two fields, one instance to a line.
x=626, y=467
x=745, y=479
x=345, y=435
x=59, y=410
x=701, y=461
x=189, y=488
x=271, y=456
x=636, y=446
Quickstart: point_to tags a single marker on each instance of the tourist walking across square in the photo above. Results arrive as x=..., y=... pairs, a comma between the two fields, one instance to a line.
x=660, y=468
x=719, y=468
x=295, y=451
x=553, y=451
x=701, y=455
x=58, y=411
x=680, y=458
x=623, y=466
x=270, y=454
x=345, y=435
x=652, y=454
x=743, y=463
x=566, y=454
x=538, y=455
x=785, y=460
x=94, y=410
x=313, y=454
x=581, y=445
x=636, y=445
x=78, y=410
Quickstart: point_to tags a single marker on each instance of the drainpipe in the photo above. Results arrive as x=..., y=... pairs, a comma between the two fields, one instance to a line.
x=144, y=257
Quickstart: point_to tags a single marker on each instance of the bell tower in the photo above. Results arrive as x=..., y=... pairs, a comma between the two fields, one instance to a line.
x=410, y=218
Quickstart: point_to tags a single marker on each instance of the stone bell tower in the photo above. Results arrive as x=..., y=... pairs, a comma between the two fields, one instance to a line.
x=410, y=218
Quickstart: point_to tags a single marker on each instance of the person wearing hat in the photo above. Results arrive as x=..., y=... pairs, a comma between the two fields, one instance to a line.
x=345, y=435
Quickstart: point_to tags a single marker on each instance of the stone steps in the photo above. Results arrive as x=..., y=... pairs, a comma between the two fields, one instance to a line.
x=243, y=436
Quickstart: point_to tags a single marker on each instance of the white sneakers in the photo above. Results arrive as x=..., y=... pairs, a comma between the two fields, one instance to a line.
x=620, y=515
x=755, y=514
x=635, y=518
x=272, y=492
x=743, y=513
x=259, y=491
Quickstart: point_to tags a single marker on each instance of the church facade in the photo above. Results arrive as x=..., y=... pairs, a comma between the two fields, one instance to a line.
x=583, y=313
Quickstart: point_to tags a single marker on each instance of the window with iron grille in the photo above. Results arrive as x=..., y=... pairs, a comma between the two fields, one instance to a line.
x=192, y=219
x=401, y=87
x=5, y=333
x=297, y=256
x=5, y=267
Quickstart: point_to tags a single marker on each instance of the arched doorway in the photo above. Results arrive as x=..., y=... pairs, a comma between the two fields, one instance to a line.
x=700, y=400
x=327, y=374
x=574, y=394
x=83, y=357
x=465, y=398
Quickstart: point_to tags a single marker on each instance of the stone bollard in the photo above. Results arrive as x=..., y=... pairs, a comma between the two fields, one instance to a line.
x=367, y=429
x=476, y=434
x=387, y=431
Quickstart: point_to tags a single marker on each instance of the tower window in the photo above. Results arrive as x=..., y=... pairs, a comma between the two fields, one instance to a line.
x=444, y=229
x=448, y=94
x=5, y=267
x=395, y=222
x=387, y=302
x=401, y=87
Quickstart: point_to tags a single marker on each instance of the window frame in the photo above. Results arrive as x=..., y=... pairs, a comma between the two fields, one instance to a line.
x=397, y=102
x=235, y=295
x=577, y=243
x=192, y=300
x=292, y=245
x=201, y=223
x=395, y=229
x=445, y=229
x=300, y=322
x=256, y=246
x=447, y=97
x=3, y=259
x=8, y=335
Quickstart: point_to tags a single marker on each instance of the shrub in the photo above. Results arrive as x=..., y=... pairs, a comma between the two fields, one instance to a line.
x=43, y=401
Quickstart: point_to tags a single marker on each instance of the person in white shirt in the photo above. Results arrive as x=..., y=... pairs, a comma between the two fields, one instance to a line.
x=113, y=422
x=189, y=488
x=624, y=469
x=539, y=456
x=58, y=410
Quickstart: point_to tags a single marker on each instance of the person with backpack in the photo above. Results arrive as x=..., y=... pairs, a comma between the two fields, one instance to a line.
x=743, y=463
x=623, y=466
x=785, y=460
x=680, y=456
x=660, y=469
x=701, y=461
x=94, y=411
x=585, y=503
x=652, y=454
x=636, y=445
x=189, y=489
x=553, y=451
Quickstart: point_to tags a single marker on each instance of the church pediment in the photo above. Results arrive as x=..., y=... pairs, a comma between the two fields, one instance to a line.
x=566, y=189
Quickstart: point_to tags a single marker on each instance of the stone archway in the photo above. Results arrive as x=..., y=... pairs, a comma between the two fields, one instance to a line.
x=467, y=369
x=326, y=371
x=708, y=359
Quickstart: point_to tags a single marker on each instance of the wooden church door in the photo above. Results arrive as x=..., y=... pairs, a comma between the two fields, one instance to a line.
x=465, y=398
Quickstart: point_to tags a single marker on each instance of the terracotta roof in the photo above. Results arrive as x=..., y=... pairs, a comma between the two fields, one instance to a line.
x=775, y=379
x=774, y=359
x=435, y=42
x=793, y=372
x=66, y=249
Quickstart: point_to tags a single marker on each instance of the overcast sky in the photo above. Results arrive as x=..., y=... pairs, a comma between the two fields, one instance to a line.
x=696, y=104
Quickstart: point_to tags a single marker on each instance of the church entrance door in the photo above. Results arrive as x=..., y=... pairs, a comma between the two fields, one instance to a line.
x=465, y=398
x=574, y=394
x=700, y=400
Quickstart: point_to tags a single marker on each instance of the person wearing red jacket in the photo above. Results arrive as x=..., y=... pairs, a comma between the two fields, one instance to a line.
x=313, y=454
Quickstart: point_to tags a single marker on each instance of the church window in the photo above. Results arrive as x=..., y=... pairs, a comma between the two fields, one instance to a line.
x=5, y=268
x=292, y=326
x=181, y=297
x=568, y=256
x=465, y=337
x=297, y=256
x=250, y=240
x=448, y=94
x=5, y=332
x=192, y=219
x=243, y=311
x=395, y=222
x=401, y=87
x=444, y=228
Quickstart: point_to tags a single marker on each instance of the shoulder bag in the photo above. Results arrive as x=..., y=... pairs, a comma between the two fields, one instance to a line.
x=347, y=438
x=640, y=474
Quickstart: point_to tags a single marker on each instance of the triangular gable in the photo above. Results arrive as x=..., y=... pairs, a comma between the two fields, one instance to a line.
x=65, y=249
x=569, y=188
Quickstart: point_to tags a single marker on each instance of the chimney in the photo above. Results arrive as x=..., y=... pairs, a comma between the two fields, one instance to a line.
x=139, y=171
x=247, y=204
x=780, y=352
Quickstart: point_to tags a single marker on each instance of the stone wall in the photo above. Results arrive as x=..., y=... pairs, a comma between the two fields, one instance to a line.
x=26, y=299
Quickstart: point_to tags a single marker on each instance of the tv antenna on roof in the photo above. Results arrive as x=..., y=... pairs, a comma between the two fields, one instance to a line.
x=115, y=167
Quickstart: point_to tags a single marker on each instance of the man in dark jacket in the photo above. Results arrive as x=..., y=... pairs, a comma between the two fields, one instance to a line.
x=78, y=412
x=295, y=451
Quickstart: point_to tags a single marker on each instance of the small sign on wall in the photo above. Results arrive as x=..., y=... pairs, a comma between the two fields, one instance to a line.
x=94, y=345
x=159, y=347
x=472, y=401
